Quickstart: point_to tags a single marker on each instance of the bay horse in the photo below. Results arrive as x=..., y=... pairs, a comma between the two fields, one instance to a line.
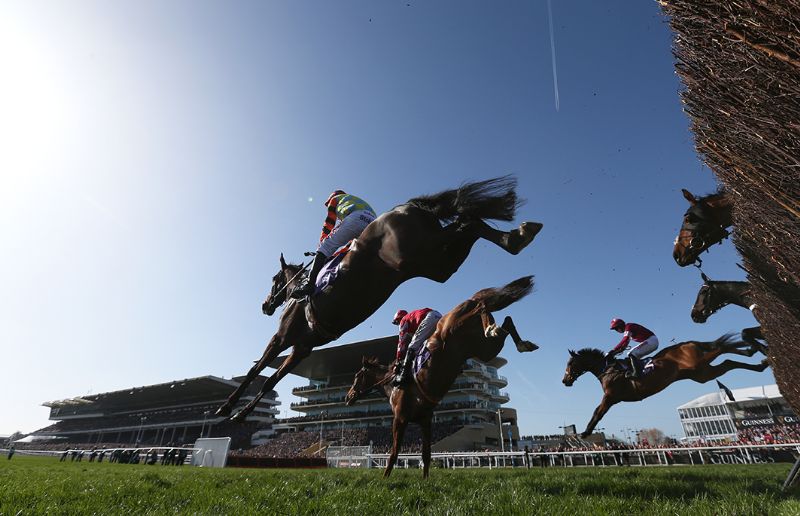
x=466, y=331
x=407, y=242
x=705, y=223
x=714, y=295
x=690, y=360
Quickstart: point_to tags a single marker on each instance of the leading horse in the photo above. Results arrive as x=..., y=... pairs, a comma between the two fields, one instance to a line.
x=466, y=331
x=689, y=360
x=406, y=242
x=705, y=223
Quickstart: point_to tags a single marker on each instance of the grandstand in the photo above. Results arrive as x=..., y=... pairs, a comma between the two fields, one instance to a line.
x=466, y=419
x=171, y=413
x=755, y=414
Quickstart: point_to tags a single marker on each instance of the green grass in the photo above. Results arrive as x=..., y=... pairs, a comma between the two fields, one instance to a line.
x=38, y=485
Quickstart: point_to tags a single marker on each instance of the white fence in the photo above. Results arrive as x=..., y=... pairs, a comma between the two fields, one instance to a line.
x=743, y=454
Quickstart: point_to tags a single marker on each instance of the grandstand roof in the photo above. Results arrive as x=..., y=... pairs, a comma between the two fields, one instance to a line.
x=745, y=394
x=346, y=359
x=202, y=388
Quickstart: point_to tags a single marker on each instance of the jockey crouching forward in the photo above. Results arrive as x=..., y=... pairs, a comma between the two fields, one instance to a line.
x=415, y=328
x=647, y=343
x=353, y=215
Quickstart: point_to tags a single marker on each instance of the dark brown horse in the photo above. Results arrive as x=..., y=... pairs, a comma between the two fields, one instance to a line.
x=466, y=331
x=406, y=242
x=714, y=295
x=689, y=360
x=704, y=224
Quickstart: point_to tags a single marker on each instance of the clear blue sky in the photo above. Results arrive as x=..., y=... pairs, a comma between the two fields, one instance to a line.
x=158, y=157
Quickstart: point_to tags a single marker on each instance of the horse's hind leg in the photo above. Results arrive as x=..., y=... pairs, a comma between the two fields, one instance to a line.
x=712, y=372
x=752, y=336
x=522, y=345
x=512, y=241
x=274, y=348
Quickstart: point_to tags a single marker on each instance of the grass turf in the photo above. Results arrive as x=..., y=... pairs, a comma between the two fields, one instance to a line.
x=37, y=485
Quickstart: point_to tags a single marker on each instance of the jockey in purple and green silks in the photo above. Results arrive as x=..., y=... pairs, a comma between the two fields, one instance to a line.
x=353, y=214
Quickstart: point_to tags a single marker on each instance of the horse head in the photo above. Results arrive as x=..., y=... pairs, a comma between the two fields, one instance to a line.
x=703, y=225
x=704, y=304
x=585, y=360
x=281, y=283
x=367, y=378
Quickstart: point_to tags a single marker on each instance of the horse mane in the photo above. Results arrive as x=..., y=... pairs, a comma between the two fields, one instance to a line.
x=494, y=199
x=589, y=353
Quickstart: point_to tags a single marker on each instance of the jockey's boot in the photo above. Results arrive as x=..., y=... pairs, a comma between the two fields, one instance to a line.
x=404, y=374
x=634, y=371
x=306, y=288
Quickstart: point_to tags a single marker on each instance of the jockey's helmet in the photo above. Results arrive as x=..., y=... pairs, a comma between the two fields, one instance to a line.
x=334, y=194
x=399, y=316
x=617, y=323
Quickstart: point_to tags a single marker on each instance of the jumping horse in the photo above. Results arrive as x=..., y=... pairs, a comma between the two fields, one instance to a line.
x=407, y=242
x=689, y=360
x=714, y=295
x=466, y=331
x=705, y=223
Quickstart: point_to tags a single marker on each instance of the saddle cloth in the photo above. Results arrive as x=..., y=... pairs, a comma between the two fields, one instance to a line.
x=330, y=271
x=645, y=366
x=420, y=360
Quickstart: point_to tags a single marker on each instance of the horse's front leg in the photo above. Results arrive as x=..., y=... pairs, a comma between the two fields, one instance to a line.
x=294, y=358
x=599, y=412
x=398, y=429
x=425, y=426
x=274, y=348
x=522, y=345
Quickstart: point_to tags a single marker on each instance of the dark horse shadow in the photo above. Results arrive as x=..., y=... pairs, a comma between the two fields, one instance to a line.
x=406, y=242
x=466, y=331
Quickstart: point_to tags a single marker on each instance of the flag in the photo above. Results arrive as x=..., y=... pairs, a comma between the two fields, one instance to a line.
x=728, y=392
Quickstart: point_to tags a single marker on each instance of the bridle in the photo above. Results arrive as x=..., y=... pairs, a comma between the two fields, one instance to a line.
x=386, y=379
x=275, y=294
x=702, y=230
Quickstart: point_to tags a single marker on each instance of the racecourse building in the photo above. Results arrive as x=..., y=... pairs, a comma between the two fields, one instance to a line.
x=753, y=411
x=171, y=413
x=466, y=418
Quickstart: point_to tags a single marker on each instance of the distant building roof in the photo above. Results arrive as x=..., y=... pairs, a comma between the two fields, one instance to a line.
x=761, y=392
x=346, y=359
x=187, y=390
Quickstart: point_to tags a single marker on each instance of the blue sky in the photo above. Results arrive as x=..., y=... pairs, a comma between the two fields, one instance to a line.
x=160, y=156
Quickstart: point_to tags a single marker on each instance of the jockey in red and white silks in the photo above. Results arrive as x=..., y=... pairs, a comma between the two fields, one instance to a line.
x=646, y=339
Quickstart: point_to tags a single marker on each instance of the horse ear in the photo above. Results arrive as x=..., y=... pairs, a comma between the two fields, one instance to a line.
x=688, y=195
x=572, y=353
x=283, y=262
x=705, y=278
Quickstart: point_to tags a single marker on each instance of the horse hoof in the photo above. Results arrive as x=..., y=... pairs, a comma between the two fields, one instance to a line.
x=526, y=346
x=524, y=235
x=223, y=411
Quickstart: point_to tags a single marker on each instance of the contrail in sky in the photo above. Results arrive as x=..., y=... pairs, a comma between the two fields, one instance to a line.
x=553, y=51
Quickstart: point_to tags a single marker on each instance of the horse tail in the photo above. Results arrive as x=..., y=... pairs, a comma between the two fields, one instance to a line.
x=494, y=199
x=725, y=340
x=495, y=299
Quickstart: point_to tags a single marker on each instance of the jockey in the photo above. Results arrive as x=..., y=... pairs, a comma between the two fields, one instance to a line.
x=353, y=215
x=415, y=328
x=647, y=343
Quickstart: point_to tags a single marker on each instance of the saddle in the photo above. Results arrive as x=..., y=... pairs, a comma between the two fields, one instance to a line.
x=646, y=366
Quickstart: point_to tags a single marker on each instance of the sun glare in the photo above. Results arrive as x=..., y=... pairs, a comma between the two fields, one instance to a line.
x=32, y=107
